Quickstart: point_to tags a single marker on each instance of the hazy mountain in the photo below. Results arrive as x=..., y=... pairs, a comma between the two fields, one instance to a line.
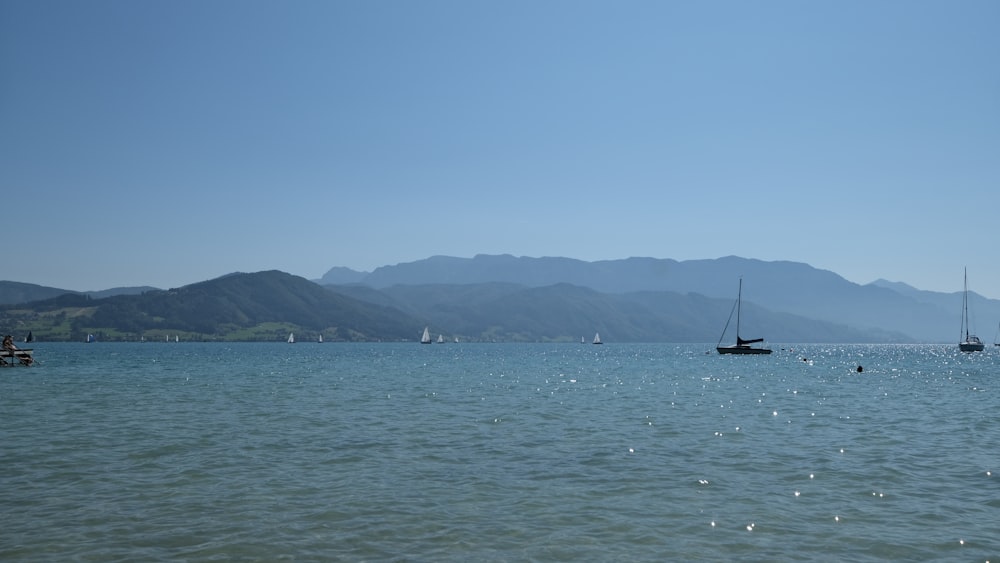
x=120, y=291
x=781, y=286
x=509, y=298
x=504, y=311
x=340, y=275
x=16, y=292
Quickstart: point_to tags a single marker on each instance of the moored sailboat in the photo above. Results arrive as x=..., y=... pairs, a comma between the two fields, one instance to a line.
x=426, y=338
x=742, y=346
x=970, y=342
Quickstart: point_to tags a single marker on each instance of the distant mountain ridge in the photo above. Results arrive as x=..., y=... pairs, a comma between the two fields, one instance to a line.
x=259, y=306
x=510, y=298
x=12, y=292
x=781, y=286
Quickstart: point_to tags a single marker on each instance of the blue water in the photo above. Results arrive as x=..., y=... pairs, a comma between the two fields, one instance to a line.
x=499, y=452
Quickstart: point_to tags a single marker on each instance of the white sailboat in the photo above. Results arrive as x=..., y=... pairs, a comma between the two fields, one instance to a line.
x=970, y=342
x=426, y=338
x=440, y=339
x=291, y=338
x=597, y=338
x=320, y=339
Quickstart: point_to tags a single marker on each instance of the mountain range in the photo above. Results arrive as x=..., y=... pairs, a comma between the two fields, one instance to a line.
x=887, y=308
x=508, y=298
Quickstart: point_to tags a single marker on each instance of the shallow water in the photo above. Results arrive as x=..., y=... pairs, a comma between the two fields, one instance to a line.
x=499, y=452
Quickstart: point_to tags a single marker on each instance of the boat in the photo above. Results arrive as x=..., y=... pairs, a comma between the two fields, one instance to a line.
x=291, y=338
x=742, y=346
x=970, y=342
x=90, y=338
x=440, y=339
x=30, y=338
x=597, y=338
x=17, y=357
x=320, y=339
x=426, y=338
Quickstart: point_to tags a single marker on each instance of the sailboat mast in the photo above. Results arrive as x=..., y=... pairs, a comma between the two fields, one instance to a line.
x=965, y=303
x=739, y=305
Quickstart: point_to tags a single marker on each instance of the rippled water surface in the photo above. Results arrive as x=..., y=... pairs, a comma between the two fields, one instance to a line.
x=499, y=452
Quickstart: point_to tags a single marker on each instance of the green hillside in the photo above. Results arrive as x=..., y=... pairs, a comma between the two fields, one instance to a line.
x=260, y=306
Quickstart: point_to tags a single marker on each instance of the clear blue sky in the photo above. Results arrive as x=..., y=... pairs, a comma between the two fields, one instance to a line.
x=167, y=142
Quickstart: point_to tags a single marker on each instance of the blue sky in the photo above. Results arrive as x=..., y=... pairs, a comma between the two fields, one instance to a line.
x=167, y=142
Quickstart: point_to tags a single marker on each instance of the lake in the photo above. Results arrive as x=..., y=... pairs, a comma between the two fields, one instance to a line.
x=499, y=452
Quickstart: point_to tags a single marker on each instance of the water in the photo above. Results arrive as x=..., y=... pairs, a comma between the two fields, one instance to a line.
x=499, y=452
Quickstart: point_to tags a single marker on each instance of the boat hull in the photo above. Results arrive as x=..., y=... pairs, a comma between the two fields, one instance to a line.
x=735, y=349
x=971, y=346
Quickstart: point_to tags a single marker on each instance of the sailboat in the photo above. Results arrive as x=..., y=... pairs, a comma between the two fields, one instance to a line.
x=90, y=338
x=426, y=338
x=30, y=338
x=970, y=342
x=597, y=338
x=291, y=338
x=440, y=339
x=320, y=339
x=742, y=346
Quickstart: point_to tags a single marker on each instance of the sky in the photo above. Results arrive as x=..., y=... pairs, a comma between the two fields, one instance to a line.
x=164, y=143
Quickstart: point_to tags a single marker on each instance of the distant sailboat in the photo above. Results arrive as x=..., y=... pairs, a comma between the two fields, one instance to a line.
x=291, y=338
x=177, y=338
x=320, y=339
x=426, y=338
x=741, y=346
x=597, y=338
x=90, y=338
x=30, y=338
x=440, y=339
x=970, y=342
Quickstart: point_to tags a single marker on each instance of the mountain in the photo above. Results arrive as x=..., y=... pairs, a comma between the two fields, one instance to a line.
x=339, y=275
x=259, y=306
x=16, y=292
x=565, y=312
x=789, y=287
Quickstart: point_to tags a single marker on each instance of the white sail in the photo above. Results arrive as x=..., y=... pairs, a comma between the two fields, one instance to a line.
x=597, y=338
x=291, y=338
x=426, y=338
